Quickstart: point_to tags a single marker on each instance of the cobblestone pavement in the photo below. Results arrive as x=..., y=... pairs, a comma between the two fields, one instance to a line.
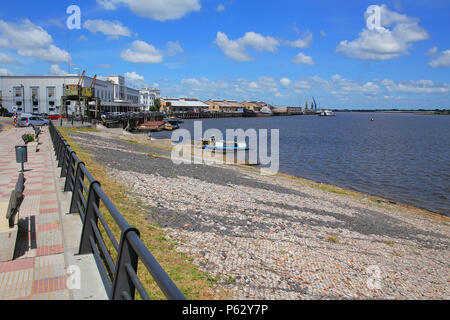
x=38, y=269
x=273, y=238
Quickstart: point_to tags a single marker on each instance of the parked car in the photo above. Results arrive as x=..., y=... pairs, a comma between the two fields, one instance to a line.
x=56, y=117
x=26, y=121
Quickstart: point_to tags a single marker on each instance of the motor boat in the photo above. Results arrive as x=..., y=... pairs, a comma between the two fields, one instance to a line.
x=220, y=145
x=327, y=113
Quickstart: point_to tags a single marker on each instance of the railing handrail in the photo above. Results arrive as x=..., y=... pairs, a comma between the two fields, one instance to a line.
x=121, y=279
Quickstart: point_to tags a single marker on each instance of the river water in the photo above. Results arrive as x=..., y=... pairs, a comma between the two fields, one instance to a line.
x=402, y=157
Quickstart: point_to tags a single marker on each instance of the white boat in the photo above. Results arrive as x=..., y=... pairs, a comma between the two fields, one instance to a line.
x=220, y=145
x=327, y=113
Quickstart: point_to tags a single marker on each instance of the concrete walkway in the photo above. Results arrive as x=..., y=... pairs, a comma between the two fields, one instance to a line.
x=48, y=238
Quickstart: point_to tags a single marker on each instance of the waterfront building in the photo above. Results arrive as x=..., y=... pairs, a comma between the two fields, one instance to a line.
x=42, y=94
x=257, y=105
x=190, y=105
x=148, y=97
x=217, y=105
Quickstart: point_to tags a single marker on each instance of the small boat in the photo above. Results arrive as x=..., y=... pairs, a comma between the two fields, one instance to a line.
x=265, y=112
x=327, y=113
x=152, y=126
x=172, y=125
x=173, y=118
x=220, y=145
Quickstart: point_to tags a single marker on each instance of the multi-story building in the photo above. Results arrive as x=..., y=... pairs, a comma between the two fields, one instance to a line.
x=148, y=97
x=42, y=94
x=225, y=106
x=183, y=105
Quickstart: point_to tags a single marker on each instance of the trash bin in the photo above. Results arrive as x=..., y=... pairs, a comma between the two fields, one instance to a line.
x=21, y=154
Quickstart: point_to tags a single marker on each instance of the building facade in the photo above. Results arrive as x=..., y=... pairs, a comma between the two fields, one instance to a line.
x=225, y=106
x=148, y=96
x=190, y=105
x=42, y=94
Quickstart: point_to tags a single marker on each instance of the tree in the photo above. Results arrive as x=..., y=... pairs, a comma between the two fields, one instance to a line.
x=157, y=104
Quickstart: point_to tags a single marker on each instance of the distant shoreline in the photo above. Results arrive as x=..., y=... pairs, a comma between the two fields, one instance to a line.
x=417, y=112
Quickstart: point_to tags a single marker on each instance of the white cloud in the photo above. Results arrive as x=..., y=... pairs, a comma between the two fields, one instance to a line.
x=285, y=82
x=51, y=54
x=83, y=38
x=303, y=42
x=31, y=40
x=135, y=80
x=236, y=49
x=432, y=51
x=302, y=59
x=104, y=66
x=383, y=43
x=56, y=70
x=323, y=33
x=113, y=29
x=415, y=86
x=173, y=48
x=6, y=59
x=357, y=93
x=442, y=60
x=160, y=10
x=142, y=52
x=107, y=4
x=5, y=72
x=220, y=8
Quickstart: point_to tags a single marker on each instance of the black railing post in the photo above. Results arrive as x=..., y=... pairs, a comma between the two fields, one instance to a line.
x=89, y=218
x=64, y=163
x=62, y=152
x=69, y=171
x=77, y=187
x=127, y=258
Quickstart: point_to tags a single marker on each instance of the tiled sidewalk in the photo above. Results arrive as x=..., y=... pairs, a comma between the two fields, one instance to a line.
x=38, y=271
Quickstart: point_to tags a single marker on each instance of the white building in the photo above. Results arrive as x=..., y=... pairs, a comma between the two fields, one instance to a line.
x=183, y=105
x=148, y=97
x=42, y=94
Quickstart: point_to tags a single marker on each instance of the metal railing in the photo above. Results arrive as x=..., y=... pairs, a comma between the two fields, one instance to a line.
x=120, y=276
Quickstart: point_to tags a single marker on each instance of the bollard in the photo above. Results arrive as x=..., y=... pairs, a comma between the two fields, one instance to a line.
x=21, y=155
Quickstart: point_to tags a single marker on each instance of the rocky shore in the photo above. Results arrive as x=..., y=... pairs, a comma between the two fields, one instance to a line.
x=267, y=237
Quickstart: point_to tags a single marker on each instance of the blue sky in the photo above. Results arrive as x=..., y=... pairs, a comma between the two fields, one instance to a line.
x=283, y=52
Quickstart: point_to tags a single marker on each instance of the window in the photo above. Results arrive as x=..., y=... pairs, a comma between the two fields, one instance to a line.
x=51, y=92
x=35, y=93
x=18, y=92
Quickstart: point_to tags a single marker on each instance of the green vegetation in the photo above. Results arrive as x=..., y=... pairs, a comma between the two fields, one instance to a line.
x=28, y=137
x=333, y=239
x=442, y=112
x=157, y=105
x=389, y=243
x=331, y=189
x=194, y=283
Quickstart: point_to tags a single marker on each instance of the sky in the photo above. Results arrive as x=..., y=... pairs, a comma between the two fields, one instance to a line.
x=352, y=54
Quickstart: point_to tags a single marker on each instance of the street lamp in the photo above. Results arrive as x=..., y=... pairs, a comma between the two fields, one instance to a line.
x=23, y=97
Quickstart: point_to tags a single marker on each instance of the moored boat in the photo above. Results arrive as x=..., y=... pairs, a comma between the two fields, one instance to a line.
x=327, y=113
x=265, y=112
x=224, y=146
